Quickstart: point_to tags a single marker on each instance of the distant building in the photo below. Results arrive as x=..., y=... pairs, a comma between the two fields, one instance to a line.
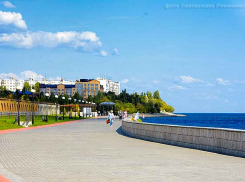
x=31, y=82
x=59, y=89
x=10, y=84
x=86, y=87
x=56, y=82
x=109, y=85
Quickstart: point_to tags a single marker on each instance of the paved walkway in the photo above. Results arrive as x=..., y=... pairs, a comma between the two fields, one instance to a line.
x=92, y=151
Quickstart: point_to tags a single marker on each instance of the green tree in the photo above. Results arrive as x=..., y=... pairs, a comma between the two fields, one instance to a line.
x=149, y=95
x=27, y=87
x=36, y=87
x=156, y=95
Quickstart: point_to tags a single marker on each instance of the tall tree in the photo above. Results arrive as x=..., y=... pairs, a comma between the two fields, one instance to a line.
x=149, y=95
x=36, y=87
x=156, y=95
x=27, y=86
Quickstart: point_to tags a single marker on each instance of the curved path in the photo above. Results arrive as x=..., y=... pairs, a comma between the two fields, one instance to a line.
x=90, y=150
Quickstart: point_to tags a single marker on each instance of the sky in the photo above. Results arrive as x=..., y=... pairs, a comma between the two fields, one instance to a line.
x=191, y=51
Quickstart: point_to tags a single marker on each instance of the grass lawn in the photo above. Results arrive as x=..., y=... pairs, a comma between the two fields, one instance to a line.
x=9, y=122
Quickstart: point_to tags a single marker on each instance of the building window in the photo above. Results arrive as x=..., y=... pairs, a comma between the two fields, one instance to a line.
x=96, y=88
x=58, y=89
x=62, y=89
x=92, y=88
x=92, y=85
x=96, y=85
x=92, y=92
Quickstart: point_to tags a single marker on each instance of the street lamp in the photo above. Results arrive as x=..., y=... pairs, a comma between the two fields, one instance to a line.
x=32, y=91
x=63, y=98
x=86, y=109
x=56, y=96
x=75, y=108
x=79, y=101
x=18, y=97
x=47, y=95
x=83, y=109
x=69, y=107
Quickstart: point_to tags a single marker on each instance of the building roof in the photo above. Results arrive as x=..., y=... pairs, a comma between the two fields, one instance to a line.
x=54, y=86
x=85, y=80
x=107, y=104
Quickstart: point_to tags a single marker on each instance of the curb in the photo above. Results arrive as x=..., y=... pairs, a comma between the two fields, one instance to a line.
x=36, y=127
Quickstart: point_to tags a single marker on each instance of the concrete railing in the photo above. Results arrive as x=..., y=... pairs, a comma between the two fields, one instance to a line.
x=224, y=141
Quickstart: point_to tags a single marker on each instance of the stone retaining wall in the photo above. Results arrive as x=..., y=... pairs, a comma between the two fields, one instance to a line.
x=224, y=141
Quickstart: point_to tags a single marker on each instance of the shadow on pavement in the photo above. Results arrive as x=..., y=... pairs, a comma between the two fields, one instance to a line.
x=120, y=132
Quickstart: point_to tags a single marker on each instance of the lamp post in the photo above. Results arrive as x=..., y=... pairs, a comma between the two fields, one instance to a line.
x=56, y=96
x=69, y=107
x=79, y=101
x=18, y=99
x=75, y=100
x=86, y=109
x=63, y=98
x=83, y=109
x=32, y=91
x=47, y=95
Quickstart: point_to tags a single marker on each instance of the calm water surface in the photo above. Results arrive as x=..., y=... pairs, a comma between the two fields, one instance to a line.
x=224, y=120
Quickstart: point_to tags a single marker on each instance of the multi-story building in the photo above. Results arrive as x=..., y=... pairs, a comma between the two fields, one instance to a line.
x=86, y=87
x=0, y=82
x=31, y=82
x=56, y=82
x=109, y=85
x=10, y=84
x=59, y=89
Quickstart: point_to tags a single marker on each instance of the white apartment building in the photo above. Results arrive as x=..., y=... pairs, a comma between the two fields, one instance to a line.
x=31, y=82
x=109, y=85
x=57, y=82
x=10, y=84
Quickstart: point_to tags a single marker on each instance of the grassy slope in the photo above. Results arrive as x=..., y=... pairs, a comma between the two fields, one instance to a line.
x=8, y=122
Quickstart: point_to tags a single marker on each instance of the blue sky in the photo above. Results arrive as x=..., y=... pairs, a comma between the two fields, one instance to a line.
x=193, y=56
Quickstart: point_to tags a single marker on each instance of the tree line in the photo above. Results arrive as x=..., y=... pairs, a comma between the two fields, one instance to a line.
x=144, y=102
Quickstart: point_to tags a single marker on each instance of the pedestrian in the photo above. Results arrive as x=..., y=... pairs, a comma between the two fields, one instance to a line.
x=120, y=114
x=111, y=117
x=125, y=114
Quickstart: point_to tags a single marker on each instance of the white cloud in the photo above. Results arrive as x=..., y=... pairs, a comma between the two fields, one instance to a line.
x=8, y=4
x=125, y=80
x=12, y=18
x=222, y=82
x=188, y=79
x=25, y=75
x=239, y=81
x=156, y=82
x=177, y=87
x=135, y=79
x=30, y=74
x=84, y=41
x=103, y=53
x=115, y=52
x=8, y=75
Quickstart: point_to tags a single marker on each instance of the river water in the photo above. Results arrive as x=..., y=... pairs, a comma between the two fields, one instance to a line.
x=217, y=120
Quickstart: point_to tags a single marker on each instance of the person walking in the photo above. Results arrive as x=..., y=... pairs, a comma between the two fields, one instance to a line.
x=111, y=117
x=125, y=114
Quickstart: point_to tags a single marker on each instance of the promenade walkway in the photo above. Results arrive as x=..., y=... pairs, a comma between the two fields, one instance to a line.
x=89, y=150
